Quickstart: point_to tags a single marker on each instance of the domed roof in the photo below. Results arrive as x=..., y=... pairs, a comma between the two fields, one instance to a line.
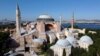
x=32, y=24
x=63, y=43
x=86, y=39
x=44, y=16
x=23, y=30
x=72, y=40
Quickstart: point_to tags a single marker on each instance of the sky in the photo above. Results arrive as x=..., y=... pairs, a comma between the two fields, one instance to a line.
x=31, y=9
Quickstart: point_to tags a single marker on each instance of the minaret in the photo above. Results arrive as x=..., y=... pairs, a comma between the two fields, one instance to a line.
x=60, y=22
x=72, y=21
x=18, y=21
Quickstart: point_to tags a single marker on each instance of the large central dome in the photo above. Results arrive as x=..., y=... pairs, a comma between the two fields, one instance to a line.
x=45, y=18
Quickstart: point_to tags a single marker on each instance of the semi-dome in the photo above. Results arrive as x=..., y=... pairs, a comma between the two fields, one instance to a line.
x=63, y=43
x=86, y=39
x=45, y=18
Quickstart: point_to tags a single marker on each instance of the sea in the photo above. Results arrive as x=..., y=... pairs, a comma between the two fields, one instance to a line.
x=84, y=25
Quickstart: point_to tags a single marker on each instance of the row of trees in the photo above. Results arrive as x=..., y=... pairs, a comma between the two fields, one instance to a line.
x=7, y=25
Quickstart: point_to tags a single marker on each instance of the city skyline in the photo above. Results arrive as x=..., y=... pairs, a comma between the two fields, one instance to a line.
x=31, y=9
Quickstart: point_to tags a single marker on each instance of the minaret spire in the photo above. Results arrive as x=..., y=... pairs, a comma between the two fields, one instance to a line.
x=72, y=21
x=18, y=20
x=60, y=22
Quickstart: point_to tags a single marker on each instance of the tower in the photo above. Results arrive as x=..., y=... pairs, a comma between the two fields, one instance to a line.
x=18, y=20
x=72, y=21
x=60, y=22
x=18, y=28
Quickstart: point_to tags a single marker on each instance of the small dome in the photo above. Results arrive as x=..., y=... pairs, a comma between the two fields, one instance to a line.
x=32, y=31
x=86, y=39
x=32, y=24
x=66, y=32
x=63, y=43
x=72, y=40
x=23, y=30
x=44, y=16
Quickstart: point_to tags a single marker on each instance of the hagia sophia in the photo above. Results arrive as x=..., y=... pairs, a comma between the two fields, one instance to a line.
x=45, y=30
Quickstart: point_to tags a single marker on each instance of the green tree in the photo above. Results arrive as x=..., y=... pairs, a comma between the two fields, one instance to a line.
x=3, y=40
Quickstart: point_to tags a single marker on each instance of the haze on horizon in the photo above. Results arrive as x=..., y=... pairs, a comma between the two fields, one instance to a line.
x=31, y=9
